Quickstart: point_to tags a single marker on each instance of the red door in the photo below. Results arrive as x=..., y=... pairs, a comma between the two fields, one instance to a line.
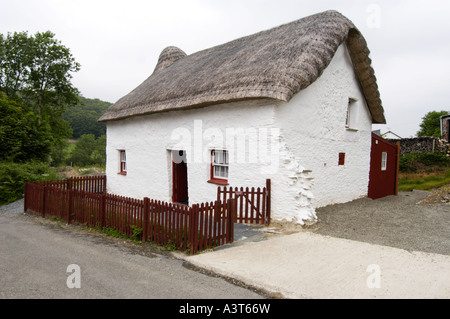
x=383, y=177
x=179, y=178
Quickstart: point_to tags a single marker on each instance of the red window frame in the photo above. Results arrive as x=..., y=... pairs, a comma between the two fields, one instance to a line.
x=341, y=159
x=122, y=162
x=215, y=179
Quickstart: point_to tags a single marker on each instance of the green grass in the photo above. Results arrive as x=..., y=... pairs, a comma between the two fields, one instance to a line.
x=423, y=181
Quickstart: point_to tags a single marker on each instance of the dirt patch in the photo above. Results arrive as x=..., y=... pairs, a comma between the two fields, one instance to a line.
x=284, y=227
x=68, y=171
x=438, y=196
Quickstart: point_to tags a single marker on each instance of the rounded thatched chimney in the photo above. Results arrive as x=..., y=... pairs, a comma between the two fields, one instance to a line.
x=167, y=57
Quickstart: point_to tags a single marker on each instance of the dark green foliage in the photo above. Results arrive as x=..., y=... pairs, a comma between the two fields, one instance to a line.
x=83, y=117
x=89, y=151
x=13, y=177
x=23, y=135
x=414, y=162
x=35, y=73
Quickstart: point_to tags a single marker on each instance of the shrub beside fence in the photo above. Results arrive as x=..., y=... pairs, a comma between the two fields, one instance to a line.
x=85, y=201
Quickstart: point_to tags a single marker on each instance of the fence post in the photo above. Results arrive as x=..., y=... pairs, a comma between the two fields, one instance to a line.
x=232, y=209
x=104, y=184
x=102, y=211
x=44, y=191
x=146, y=219
x=268, y=194
x=70, y=199
x=397, y=169
x=25, y=193
x=193, y=228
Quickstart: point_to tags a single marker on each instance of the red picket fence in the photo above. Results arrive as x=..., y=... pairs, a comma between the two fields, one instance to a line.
x=193, y=228
x=253, y=205
x=91, y=184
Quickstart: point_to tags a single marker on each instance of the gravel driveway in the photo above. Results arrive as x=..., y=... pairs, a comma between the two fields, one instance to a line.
x=396, y=221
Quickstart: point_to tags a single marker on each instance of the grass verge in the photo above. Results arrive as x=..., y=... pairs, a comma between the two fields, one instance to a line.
x=425, y=181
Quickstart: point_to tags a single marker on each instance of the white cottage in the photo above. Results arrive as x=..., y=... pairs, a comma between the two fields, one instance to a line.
x=294, y=104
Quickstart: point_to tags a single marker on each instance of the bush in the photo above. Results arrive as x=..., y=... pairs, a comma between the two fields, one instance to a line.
x=414, y=162
x=13, y=177
x=89, y=151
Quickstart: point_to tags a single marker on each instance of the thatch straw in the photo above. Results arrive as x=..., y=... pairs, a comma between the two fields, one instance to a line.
x=273, y=64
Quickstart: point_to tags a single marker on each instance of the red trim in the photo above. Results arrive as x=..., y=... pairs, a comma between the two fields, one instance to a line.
x=215, y=180
x=218, y=181
x=121, y=170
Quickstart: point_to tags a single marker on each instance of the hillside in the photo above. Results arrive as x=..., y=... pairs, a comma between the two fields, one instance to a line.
x=83, y=117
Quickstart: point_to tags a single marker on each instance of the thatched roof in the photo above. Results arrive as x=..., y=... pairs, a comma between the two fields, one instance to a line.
x=273, y=64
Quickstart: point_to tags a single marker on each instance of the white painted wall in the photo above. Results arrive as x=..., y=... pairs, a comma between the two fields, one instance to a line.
x=304, y=138
x=149, y=139
x=313, y=126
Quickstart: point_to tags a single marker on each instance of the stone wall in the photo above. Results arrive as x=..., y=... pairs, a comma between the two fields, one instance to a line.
x=421, y=145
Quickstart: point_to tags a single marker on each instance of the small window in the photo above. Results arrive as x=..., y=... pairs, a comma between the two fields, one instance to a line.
x=219, y=167
x=384, y=161
x=123, y=162
x=350, y=114
x=341, y=159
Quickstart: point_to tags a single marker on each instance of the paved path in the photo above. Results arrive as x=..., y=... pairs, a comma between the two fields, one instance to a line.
x=34, y=260
x=307, y=265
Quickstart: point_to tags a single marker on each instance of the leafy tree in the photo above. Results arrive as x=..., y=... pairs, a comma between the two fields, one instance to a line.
x=89, y=151
x=36, y=72
x=23, y=135
x=431, y=124
x=15, y=59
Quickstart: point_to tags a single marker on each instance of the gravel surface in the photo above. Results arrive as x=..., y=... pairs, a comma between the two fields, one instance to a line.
x=13, y=208
x=414, y=221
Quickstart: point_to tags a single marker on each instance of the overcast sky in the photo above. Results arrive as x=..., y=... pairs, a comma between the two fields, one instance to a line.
x=118, y=43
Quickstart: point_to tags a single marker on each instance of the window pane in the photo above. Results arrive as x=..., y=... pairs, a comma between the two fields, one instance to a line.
x=216, y=170
x=218, y=157
x=383, y=161
x=123, y=158
x=225, y=171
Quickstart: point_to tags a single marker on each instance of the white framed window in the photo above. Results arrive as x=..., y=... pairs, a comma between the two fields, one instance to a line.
x=384, y=161
x=219, y=166
x=350, y=116
x=122, y=162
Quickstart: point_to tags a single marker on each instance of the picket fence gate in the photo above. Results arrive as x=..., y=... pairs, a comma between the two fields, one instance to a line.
x=253, y=205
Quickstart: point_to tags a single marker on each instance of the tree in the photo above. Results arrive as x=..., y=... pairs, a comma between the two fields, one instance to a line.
x=23, y=135
x=36, y=72
x=38, y=68
x=15, y=59
x=431, y=124
x=89, y=151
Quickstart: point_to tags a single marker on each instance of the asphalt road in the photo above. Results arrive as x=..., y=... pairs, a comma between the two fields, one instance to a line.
x=39, y=259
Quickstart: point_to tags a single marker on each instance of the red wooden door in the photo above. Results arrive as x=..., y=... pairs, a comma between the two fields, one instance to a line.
x=179, y=179
x=383, y=168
